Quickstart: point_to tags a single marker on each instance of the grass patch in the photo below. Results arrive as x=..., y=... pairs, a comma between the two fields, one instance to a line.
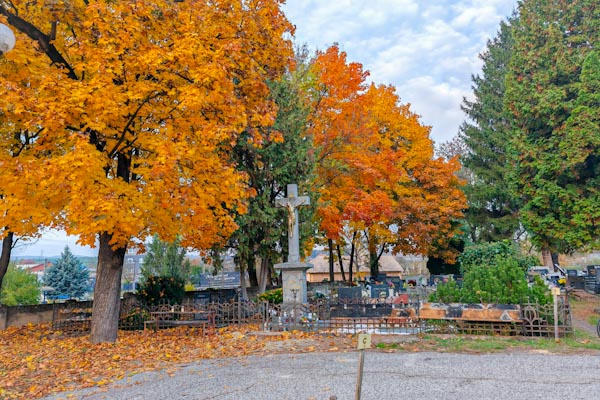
x=490, y=344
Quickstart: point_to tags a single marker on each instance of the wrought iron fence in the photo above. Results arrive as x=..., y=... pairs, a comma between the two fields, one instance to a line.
x=338, y=315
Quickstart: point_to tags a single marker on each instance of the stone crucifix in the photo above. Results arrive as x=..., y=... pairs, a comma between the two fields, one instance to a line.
x=291, y=203
x=293, y=272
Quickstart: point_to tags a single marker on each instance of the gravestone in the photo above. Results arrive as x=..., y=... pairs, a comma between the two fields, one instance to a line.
x=379, y=291
x=293, y=272
x=349, y=293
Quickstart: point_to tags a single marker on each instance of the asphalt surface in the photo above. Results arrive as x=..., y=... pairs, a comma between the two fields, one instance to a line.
x=422, y=376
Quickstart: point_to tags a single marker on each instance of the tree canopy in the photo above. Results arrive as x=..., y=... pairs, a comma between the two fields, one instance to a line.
x=552, y=92
x=376, y=170
x=135, y=106
x=19, y=288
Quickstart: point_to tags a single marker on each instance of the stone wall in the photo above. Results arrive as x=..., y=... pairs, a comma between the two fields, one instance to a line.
x=23, y=315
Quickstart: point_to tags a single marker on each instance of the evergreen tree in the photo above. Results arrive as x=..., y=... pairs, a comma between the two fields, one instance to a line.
x=19, y=287
x=164, y=259
x=68, y=276
x=285, y=157
x=493, y=209
x=552, y=92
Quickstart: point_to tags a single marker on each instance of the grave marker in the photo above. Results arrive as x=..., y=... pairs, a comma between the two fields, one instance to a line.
x=293, y=272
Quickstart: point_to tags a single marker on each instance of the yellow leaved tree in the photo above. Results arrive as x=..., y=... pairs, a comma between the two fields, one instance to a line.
x=134, y=106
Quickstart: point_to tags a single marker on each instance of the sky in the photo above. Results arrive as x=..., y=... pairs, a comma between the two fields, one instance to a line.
x=427, y=49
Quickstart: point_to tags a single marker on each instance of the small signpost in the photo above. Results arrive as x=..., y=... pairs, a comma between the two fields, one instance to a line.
x=364, y=342
x=555, y=294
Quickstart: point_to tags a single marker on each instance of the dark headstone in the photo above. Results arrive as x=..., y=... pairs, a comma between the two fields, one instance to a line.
x=349, y=292
x=571, y=272
x=454, y=312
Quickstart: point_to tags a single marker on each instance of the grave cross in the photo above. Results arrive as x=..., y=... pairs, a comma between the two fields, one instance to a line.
x=292, y=202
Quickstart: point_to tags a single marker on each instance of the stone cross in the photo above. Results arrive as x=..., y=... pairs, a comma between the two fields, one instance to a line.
x=291, y=203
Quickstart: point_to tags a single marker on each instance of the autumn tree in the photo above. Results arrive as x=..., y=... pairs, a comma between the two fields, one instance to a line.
x=68, y=276
x=136, y=106
x=552, y=92
x=377, y=173
x=493, y=208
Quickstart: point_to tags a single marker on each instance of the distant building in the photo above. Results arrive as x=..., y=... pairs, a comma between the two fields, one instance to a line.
x=35, y=268
x=388, y=265
x=132, y=267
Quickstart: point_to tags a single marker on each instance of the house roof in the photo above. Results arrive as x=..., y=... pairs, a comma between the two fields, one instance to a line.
x=387, y=263
x=37, y=267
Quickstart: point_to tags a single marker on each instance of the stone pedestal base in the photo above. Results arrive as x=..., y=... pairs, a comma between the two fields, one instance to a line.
x=293, y=281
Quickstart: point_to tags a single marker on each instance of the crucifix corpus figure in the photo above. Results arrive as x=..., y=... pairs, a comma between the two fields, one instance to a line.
x=291, y=203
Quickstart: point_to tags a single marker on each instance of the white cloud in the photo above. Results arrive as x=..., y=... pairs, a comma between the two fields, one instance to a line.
x=440, y=100
x=427, y=49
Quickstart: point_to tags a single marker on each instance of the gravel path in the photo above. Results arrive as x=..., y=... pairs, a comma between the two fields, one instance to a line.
x=422, y=376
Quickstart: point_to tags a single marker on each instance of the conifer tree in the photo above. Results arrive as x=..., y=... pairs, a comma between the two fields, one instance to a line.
x=552, y=87
x=493, y=209
x=68, y=277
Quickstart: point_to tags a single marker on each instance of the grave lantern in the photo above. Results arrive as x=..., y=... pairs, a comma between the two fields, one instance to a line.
x=7, y=39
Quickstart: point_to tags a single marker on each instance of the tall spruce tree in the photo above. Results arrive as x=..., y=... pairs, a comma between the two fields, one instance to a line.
x=552, y=92
x=68, y=277
x=493, y=209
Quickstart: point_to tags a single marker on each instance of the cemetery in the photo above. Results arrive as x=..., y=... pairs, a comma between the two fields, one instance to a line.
x=380, y=304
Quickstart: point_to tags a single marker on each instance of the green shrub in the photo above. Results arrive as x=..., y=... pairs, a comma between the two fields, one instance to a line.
x=162, y=289
x=274, y=296
x=503, y=283
x=487, y=254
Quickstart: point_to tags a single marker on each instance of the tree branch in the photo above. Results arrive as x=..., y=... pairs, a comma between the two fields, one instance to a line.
x=42, y=39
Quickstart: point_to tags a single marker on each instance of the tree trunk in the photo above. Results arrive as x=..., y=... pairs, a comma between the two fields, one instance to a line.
x=341, y=262
x=244, y=291
x=5, y=255
x=264, y=274
x=251, y=265
x=352, y=250
x=373, y=264
x=107, y=292
x=547, y=258
x=331, y=262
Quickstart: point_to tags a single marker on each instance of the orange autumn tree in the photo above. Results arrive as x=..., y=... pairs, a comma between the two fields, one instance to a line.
x=137, y=104
x=377, y=174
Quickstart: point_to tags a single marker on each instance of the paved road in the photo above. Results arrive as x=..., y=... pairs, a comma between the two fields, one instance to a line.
x=422, y=376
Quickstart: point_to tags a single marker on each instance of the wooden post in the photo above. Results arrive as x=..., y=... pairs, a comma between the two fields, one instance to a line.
x=364, y=342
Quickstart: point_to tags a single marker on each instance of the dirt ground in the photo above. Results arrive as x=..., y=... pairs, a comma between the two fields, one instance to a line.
x=584, y=305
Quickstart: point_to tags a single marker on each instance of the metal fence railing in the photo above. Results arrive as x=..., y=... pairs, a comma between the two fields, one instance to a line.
x=342, y=315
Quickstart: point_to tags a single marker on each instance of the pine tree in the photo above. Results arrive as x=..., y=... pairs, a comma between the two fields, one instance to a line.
x=492, y=213
x=68, y=277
